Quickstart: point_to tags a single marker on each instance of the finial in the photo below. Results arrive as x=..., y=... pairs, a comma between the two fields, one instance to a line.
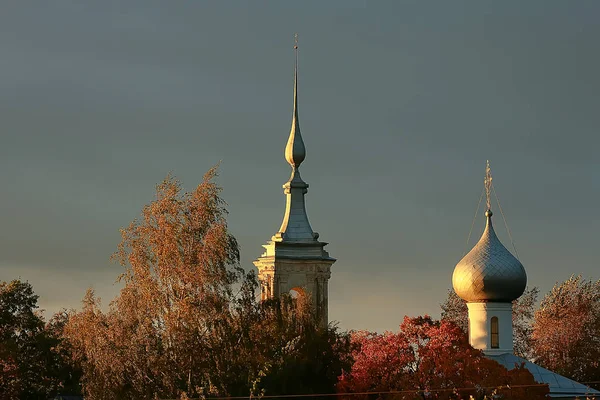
x=294, y=150
x=488, y=188
x=296, y=76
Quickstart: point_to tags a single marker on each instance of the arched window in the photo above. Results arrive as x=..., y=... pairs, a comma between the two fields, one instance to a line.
x=494, y=333
x=296, y=292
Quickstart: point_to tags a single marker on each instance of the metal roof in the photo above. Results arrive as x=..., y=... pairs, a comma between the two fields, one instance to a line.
x=489, y=272
x=560, y=387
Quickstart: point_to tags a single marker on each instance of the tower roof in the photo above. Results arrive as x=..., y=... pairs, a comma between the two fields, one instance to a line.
x=559, y=386
x=489, y=272
x=295, y=239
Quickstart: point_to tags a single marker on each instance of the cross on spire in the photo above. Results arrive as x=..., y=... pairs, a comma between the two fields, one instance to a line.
x=488, y=186
x=296, y=55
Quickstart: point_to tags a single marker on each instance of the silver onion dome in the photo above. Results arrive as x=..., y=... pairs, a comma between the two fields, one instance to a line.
x=489, y=272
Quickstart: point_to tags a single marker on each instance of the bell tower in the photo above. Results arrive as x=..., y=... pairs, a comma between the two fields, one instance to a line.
x=294, y=258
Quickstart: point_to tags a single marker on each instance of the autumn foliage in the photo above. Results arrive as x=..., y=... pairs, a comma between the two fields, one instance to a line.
x=180, y=266
x=562, y=334
x=428, y=359
x=566, y=332
x=187, y=321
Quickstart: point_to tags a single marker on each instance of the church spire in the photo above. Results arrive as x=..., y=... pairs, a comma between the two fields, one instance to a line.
x=295, y=150
x=294, y=258
x=295, y=226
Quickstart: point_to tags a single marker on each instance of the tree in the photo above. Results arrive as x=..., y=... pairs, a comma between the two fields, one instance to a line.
x=523, y=313
x=455, y=309
x=31, y=367
x=61, y=363
x=429, y=359
x=181, y=266
x=566, y=330
x=298, y=355
x=187, y=321
x=9, y=374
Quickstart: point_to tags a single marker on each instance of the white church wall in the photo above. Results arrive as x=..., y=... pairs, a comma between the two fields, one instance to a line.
x=480, y=327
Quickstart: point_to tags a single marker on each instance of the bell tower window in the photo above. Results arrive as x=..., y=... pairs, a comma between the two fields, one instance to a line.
x=495, y=340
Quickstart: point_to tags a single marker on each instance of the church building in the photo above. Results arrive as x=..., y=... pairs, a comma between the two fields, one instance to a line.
x=294, y=258
x=488, y=278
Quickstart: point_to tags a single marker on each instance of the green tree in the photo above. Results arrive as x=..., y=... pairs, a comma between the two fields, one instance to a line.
x=31, y=366
x=298, y=355
x=60, y=363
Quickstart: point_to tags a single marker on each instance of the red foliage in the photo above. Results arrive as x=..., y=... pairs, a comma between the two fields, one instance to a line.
x=428, y=359
x=9, y=376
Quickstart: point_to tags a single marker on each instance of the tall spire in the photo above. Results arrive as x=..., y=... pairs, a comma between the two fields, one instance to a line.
x=294, y=258
x=295, y=225
x=295, y=150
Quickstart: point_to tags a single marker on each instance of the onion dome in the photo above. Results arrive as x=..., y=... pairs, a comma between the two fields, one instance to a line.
x=489, y=272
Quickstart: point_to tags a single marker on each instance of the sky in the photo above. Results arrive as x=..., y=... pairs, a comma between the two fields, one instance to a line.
x=401, y=104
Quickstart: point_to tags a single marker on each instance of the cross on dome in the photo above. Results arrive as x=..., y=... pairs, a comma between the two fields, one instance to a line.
x=489, y=272
x=487, y=182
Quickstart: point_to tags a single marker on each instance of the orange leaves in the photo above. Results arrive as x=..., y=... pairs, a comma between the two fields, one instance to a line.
x=566, y=332
x=181, y=248
x=180, y=264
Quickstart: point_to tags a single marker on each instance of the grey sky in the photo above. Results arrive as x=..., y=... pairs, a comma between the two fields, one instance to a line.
x=401, y=103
